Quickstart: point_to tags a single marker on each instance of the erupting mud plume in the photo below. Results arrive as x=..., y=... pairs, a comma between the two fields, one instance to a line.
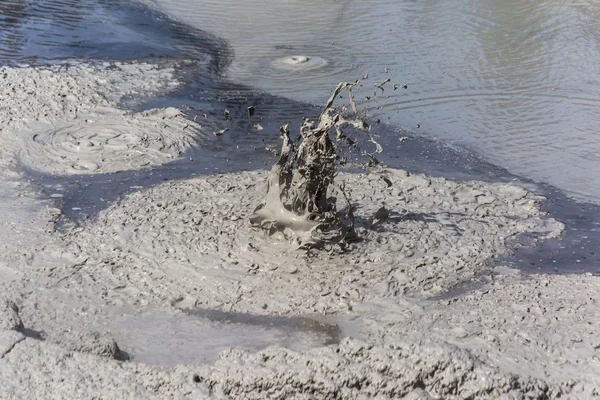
x=297, y=202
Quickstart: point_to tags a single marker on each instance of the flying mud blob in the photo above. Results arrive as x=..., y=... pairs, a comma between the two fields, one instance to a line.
x=299, y=63
x=297, y=202
x=109, y=144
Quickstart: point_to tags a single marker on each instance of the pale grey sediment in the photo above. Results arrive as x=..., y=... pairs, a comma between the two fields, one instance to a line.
x=188, y=245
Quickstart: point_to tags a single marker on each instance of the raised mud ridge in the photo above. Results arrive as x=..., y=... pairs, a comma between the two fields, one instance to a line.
x=109, y=143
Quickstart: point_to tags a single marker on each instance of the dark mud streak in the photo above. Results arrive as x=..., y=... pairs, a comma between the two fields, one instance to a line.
x=283, y=323
x=32, y=334
x=12, y=347
x=576, y=251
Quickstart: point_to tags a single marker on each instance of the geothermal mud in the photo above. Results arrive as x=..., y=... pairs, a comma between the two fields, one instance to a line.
x=190, y=242
x=124, y=305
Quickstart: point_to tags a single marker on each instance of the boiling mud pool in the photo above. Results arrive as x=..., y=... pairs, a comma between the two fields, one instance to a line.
x=515, y=81
x=481, y=74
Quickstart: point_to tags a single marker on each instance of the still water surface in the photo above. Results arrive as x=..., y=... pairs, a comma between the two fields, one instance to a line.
x=517, y=80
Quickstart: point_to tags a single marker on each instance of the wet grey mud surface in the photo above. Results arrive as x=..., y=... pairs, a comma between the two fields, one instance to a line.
x=159, y=266
x=28, y=40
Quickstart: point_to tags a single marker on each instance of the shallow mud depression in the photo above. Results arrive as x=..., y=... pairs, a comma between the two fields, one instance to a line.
x=338, y=285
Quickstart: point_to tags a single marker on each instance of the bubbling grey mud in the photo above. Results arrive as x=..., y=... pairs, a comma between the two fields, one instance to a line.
x=187, y=245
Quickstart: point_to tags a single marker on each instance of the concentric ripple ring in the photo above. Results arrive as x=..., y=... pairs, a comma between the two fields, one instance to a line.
x=299, y=63
x=117, y=143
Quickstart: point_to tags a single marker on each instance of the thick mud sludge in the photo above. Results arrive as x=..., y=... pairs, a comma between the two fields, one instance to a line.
x=119, y=305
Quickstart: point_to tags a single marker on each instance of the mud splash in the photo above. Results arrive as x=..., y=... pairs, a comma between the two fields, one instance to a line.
x=186, y=245
x=297, y=201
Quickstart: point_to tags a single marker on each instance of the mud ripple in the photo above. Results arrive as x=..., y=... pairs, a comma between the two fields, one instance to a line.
x=124, y=142
x=299, y=63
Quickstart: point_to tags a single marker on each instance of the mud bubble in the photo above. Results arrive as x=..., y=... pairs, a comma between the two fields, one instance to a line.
x=299, y=63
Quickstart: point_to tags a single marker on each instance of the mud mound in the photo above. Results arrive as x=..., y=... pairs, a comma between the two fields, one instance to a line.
x=56, y=92
x=34, y=369
x=67, y=119
x=9, y=316
x=90, y=342
x=299, y=63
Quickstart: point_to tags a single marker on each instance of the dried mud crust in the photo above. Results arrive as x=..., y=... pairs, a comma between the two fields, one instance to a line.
x=356, y=370
x=34, y=369
x=190, y=242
